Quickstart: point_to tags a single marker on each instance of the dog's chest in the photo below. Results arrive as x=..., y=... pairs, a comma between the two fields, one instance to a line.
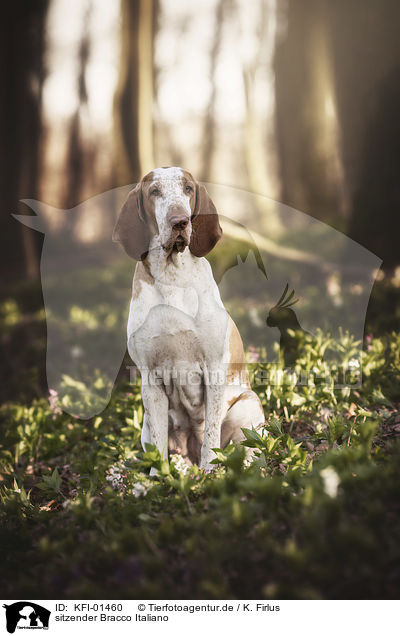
x=184, y=299
x=177, y=317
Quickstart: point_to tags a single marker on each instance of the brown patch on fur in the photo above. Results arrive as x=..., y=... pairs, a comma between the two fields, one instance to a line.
x=206, y=230
x=137, y=288
x=237, y=363
x=136, y=223
x=188, y=179
x=233, y=401
x=246, y=395
x=148, y=203
x=142, y=275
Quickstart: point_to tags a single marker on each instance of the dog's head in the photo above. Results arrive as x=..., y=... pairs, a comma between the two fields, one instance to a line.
x=168, y=209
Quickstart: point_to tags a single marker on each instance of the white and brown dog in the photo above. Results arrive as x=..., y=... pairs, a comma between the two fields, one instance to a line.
x=195, y=388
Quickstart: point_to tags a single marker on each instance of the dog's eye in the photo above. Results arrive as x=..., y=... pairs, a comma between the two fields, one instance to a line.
x=189, y=189
x=155, y=192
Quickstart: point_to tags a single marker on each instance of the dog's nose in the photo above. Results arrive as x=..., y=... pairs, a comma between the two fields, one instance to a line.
x=179, y=222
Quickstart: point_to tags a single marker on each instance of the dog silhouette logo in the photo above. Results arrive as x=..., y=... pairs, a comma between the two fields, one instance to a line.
x=26, y=615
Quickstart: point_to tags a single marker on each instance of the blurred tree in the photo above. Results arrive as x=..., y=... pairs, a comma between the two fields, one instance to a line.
x=260, y=151
x=366, y=59
x=254, y=142
x=134, y=95
x=375, y=220
x=306, y=120
x=80, y=153
x=337, y=91
x=22, y=71
x=208, y=145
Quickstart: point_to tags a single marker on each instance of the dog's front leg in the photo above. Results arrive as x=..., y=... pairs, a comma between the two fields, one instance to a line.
x=213, y=418
x=155, y=421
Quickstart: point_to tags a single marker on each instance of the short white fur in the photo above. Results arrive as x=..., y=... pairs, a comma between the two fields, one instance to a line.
x=179, y=328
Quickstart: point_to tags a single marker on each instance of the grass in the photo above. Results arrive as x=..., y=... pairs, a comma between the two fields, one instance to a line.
x=314, y=515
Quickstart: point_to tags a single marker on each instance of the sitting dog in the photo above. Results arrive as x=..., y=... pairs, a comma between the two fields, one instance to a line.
x=195, y=388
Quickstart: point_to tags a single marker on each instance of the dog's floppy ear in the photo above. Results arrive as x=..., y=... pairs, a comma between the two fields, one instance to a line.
x=131, y=228
x=206, y=230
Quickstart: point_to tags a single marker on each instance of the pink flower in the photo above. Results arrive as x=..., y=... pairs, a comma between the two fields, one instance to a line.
x=252, y=355
x=54, y=403
x=368, y=339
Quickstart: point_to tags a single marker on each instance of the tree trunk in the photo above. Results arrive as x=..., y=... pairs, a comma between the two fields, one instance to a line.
x=133, y=102
x=22, y=73
x=209, y=121
x=306, y=115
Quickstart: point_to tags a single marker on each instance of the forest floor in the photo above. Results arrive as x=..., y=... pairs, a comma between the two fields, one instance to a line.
x=316, y=514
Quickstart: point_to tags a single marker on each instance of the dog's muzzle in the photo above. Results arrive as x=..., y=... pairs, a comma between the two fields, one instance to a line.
x=179, y=223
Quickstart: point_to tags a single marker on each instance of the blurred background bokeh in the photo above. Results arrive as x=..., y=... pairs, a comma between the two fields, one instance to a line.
x=298, y=102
